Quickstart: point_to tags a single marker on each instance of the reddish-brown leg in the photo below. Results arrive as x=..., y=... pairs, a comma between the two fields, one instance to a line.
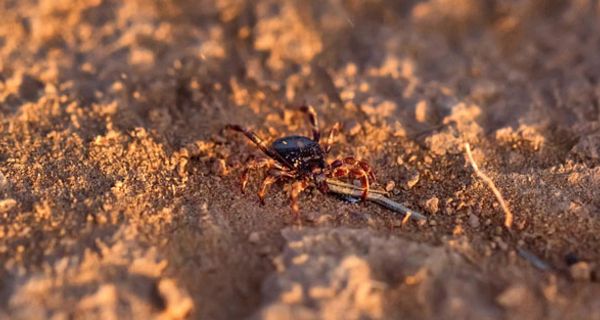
x=349, y=168
x=350, y=160
x=364, y=181
x=355, y=163
x=254, y=164
x=337, y=163
x=340, y=172
x=332, y=133
x=271, y=177
x=365, y=166
x=314, y=122
x=267, y=182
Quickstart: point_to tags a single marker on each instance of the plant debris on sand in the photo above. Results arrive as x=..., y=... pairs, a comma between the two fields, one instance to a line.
x=119, y=194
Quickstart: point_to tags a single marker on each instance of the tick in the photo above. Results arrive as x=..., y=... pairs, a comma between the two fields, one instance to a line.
x=300, y=160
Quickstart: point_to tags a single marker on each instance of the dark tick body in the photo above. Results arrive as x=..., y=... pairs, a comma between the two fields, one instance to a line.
x=301, y=160
x=302, y=153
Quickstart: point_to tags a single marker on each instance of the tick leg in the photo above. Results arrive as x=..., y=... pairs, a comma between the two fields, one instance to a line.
x=254, y=164
x=314, y=122
x=340, y=172
x=364, y=181
x=336, y=163
x=365, y=166
x=332, y=133
x=350, y=167
x=267, y=182
x=350, y=160
x=360, y=164
x=296, y=190
x=260, y=143
x=272, y=177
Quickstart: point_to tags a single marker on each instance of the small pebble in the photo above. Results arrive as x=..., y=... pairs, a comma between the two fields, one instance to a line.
x=254, y=237
x=390, y=186
x=293, y=295
x=474, y=221
x=458, y=230
x=413, y=180
x=514, y=296
x=432, y=205
x=422, y=111
x=581, y=271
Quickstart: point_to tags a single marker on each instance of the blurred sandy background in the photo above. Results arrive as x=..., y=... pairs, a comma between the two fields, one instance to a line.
x=119, y=195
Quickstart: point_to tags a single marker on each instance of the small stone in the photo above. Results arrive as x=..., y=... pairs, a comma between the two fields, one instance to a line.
x=422, y=111
x=458, y=230
x=581, y=271
x=474, y=221
x=413, y=180
x=254, y=237
x=432, y=205
x=7, y=204
x=390, y=185
x=300, y=259
x=514, y=296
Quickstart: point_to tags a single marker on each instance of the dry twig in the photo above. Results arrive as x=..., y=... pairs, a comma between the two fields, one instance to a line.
x=533, y=259
x=376, y=196
x=508, y=217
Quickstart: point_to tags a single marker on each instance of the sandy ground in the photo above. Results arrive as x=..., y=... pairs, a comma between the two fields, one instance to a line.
x=119, y=191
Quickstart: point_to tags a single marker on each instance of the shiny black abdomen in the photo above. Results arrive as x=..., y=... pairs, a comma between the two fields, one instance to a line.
x=302, y=153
